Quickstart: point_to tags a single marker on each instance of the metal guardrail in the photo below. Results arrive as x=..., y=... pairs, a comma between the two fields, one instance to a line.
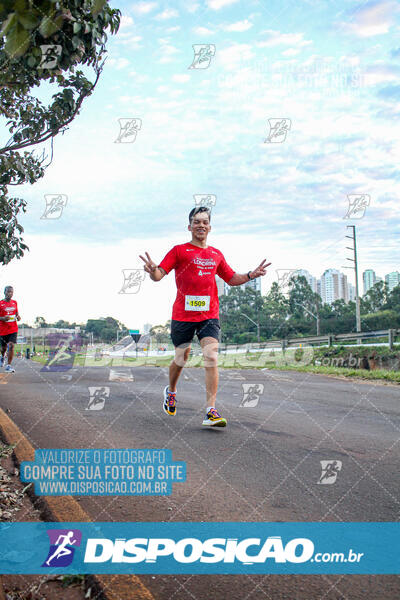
x=329, y=339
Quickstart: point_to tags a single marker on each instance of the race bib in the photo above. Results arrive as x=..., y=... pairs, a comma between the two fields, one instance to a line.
x=200, y=303
x=11, y=318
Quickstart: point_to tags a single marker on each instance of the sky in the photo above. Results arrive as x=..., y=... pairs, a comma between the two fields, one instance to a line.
x=328, y=72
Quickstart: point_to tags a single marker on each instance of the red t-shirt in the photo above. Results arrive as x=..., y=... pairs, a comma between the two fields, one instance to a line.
x=8, y=309
x=195, y=270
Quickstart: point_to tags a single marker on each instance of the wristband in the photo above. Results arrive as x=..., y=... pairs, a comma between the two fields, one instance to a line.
x=248, y=275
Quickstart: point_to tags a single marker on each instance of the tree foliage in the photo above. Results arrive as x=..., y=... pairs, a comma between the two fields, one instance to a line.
x=43, y=42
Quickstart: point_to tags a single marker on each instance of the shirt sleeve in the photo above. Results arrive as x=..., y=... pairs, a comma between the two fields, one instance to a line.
x=170, y=260
x=224, y=270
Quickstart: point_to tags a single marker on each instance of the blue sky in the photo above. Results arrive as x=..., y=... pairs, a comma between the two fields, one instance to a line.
x=331, y=68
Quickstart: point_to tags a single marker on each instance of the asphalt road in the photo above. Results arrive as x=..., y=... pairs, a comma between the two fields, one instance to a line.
x=265, y=466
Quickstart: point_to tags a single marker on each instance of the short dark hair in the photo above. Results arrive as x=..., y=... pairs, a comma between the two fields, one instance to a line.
x=199, y=209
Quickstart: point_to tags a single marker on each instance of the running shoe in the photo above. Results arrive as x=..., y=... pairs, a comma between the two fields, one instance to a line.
x=1, y=361
x=214, y=419
x=169, y=403
x=9, y=369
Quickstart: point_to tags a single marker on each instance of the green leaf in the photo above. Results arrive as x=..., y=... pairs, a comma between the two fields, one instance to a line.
x=29, y=19
x=98, y=6
x=31, y=61
x=50, y=25
x=17, y=42
x=8, y=23
x=77, y=27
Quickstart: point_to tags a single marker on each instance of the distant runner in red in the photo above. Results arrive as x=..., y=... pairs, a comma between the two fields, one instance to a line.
x=8, y=327
x=196, y=308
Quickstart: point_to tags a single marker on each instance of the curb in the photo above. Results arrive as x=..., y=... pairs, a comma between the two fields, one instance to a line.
x=2, y=594
x=64, y=509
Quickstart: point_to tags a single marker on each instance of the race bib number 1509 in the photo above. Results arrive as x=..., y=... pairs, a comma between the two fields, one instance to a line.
x=200, y=303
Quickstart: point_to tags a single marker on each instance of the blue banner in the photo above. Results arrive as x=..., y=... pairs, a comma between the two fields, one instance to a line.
x=200, y=548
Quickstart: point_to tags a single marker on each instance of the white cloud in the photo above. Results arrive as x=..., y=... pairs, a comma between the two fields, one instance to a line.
x=126, y=21
x=181, y=78
x=374, y=18
x=168, y=13
x=118, y=63
x=380, y=73
x=218, y=4
x=172, y=29
x=276, y=38
x=202, y=31
x=291, y=52
x=238, y=26
x=192, y=6
x=229, y=57
x=142, y=8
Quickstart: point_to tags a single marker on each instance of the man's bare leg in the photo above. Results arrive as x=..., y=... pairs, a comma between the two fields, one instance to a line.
x=209, y=346
x=10, y=354
x=175, y=368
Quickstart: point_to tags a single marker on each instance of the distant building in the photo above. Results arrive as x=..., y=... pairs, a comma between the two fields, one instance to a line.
x=146, y=328
x=311, y=280
x=369, y=279
x=254, y=284
x=334, y=286
x=352, y=292
x=392, y=279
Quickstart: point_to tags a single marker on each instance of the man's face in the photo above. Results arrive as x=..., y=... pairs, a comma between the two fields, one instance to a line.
x=200, y=226
x=8, y=293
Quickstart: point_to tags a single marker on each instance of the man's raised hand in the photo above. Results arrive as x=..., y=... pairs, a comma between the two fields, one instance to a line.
x=260, y=270
x=149, y=265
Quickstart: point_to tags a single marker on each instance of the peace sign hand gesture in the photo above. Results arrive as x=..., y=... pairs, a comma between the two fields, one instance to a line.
x=260, y=270
x=149, y=264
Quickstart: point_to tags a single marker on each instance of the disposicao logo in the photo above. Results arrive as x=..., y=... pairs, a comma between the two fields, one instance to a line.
x=190, y=550
x=61, y=551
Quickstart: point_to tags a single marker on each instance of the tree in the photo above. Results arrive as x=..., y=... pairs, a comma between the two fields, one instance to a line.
x=40, y=322
x=42, y=42
x=161, y=333
x=375, y=299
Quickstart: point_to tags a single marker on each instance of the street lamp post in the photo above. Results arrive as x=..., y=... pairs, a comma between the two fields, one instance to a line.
x=312, y=314
x=256, y=324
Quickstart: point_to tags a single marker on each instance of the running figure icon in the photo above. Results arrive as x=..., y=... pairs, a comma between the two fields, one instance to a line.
x=62, y=549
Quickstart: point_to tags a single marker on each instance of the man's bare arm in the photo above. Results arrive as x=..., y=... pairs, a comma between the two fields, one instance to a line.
x=156, y=273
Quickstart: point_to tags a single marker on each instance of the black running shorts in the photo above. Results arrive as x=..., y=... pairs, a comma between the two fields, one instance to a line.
x=182, y=332
x=9, y=337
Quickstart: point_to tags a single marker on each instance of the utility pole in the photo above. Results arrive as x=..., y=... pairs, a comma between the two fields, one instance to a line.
x=355, y=267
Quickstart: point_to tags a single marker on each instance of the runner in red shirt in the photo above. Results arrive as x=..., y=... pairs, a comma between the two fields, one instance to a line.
x=196, y=308
x=8, y=327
